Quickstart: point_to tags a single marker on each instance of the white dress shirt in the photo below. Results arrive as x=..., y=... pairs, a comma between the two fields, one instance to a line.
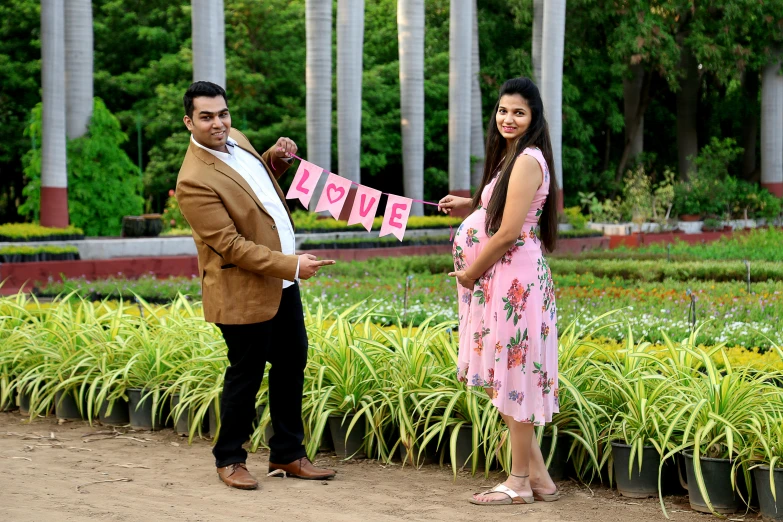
x=256, y=175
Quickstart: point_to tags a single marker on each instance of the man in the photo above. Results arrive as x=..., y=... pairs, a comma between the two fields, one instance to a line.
x=245, y=239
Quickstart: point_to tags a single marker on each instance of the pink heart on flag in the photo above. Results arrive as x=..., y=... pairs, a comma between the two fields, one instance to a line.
x=334, y=188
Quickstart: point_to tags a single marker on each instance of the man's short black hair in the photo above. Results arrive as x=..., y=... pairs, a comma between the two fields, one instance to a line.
x=196, y=89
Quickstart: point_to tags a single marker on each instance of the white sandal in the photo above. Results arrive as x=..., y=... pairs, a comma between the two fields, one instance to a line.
x=512, y=497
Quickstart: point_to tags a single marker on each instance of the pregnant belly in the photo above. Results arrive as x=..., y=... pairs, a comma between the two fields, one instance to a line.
x=469, y=239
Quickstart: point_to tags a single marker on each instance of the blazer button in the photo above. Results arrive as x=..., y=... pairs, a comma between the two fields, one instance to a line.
x=274, y=227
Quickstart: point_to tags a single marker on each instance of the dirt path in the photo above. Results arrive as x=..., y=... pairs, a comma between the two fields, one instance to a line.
x=40, y=477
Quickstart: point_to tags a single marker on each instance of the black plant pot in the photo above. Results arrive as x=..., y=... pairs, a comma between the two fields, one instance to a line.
x=327, y=444
x=415, y=457
x=557, y=467
x=465, y=449
x=153, y=225
x=24, y=403
x=141, y=413
x=65, y=406
x=10, y=403
x=717, y=481
x=133, y=226
x=214, y=421
x=119, y=413
x=770, y=509
x=641, y=483
x=183, y=423
x=347, y=445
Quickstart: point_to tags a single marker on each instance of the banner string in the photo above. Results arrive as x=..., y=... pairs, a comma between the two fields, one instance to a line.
x=451, y=230
x=357, y=184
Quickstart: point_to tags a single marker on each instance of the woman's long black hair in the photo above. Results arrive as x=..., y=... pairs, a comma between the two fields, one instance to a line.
x=537, y=135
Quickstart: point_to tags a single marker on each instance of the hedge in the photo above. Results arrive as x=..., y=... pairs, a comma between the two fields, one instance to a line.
x=373, y=242
x=22, y=232
x=25, y=254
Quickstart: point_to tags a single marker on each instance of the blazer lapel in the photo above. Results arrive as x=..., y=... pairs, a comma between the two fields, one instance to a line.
x=245, y=145
x=222, y=167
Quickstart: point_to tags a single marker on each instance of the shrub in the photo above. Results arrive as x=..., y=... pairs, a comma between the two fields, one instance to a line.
x=574, y=217
x=104, y=184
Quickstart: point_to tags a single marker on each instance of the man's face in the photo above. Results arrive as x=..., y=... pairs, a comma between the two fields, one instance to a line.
x=211, y=122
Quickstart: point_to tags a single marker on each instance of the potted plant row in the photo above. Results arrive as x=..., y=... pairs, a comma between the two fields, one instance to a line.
x=35, y=254
x=27, y=232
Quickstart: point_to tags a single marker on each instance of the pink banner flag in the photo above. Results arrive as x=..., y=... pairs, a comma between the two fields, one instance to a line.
x=304, y=182
x=365, y=206
x=395, y=219
x=334, y=195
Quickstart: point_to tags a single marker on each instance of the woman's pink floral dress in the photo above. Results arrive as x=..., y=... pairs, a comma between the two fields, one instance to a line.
x=507, y=324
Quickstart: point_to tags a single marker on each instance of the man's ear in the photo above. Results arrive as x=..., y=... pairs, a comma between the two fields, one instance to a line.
x=188, y=122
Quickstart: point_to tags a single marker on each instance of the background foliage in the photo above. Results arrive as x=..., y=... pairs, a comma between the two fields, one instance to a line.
x=143, y=65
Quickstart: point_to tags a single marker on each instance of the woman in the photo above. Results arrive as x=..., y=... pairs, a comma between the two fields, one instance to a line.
x=507, y=314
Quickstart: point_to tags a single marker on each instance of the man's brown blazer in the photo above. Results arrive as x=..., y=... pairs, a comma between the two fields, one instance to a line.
x=239, y=258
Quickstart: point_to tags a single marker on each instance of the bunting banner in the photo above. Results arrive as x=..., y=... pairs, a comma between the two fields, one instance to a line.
x=395, y=219
x=334, y=194
x=365, y=204
x=305, y=181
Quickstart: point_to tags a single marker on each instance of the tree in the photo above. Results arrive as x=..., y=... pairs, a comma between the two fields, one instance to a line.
x=410, y=22
x=209, y=41
x=633, y=89
x=538, y=29
x=477, y=145
x=54, y=174
x=772, y=125
x=318, y=77
x=552, y=49
x=350, y=40
x=78, y=66
x=460, y=26
x=687, y=112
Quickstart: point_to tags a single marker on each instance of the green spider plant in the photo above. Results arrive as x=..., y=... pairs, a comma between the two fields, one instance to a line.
x=344, y=366
x=765, y=445
x=718, y=414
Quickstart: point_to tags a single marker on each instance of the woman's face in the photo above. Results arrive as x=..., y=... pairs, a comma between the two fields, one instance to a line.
x=513, y=116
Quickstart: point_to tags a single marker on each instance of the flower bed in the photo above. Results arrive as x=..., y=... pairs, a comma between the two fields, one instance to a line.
x=736, y=316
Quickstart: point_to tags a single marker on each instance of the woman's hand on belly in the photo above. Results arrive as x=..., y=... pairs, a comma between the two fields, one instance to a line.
x=463, y=280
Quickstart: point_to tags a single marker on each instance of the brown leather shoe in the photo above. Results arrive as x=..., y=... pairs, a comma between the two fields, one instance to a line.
x=303, y=469
x=237, y=476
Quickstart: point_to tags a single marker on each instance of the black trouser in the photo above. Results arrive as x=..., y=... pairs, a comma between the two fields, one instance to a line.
x=282, y=341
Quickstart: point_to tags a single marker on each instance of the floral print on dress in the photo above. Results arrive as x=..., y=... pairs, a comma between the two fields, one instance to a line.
x=516, y=396
x=471, y=238
x=478, y=339
x=516, y=300
x=509, y=255
x=483, y=292
x=459, y=257
x=517, y=350
x=508, y=321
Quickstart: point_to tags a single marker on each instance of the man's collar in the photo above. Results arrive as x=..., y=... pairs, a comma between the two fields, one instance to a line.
x=230, y=141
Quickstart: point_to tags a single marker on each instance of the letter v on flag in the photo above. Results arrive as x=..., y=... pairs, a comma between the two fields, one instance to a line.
x=305, y=181
x=365, y=205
